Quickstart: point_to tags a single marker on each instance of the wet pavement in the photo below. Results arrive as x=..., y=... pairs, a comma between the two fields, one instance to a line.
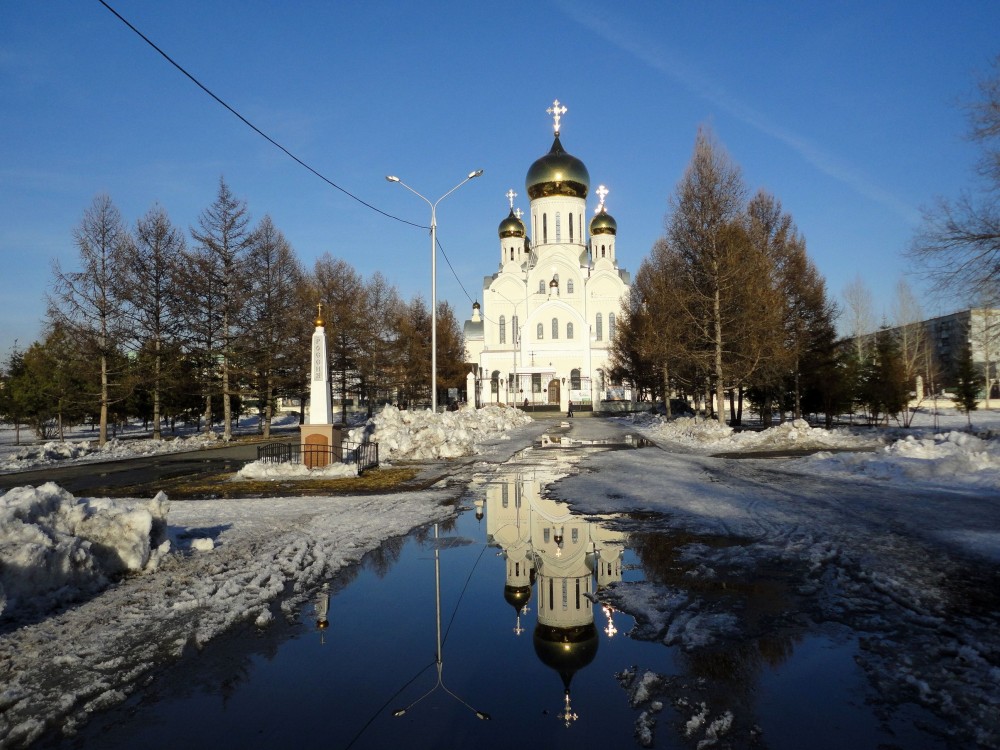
x=502, y=628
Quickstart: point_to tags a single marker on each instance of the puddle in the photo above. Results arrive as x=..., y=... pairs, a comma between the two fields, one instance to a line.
x=548, y=440
x=489, y=632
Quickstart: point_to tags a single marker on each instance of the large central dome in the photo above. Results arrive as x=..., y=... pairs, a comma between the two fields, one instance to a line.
x=557, y=173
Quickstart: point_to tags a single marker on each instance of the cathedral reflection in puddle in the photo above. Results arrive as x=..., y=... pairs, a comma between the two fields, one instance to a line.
x=560, y=555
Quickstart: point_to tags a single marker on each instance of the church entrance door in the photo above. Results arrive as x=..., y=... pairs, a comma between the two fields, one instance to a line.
x=554, y=391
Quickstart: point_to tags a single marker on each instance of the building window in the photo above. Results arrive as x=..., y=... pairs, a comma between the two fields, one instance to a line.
x=495, y=383
x=574, y=379
x=541, y=286
x=536, y=382
x=514, y=333
x=512, y=252
x=571, y=227
x=569, y=330
x=503, y=329
x=545, y=228
x=504, y=495
x=541, y=332
x=569, y=286
x=611, y=326
x=555, y=328
x=558, y=228
x=599, y=328
x=602, y=251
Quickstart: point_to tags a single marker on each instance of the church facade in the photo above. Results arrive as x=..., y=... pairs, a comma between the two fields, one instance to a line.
x=542, y=334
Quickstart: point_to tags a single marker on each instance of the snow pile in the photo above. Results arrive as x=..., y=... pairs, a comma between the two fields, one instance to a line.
x=425, y=435
x=60, y=451
x=274, y=471
x=950, y=457
x=55, y=547
x=709, y=434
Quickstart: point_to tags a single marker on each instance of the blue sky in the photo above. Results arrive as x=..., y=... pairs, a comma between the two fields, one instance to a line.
x=849, y=113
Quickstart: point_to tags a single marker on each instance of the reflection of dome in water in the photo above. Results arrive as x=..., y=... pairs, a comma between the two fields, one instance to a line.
x=566, y=650
x=517, y=596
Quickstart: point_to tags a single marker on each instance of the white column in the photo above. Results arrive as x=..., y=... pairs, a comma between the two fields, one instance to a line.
x=320, y=402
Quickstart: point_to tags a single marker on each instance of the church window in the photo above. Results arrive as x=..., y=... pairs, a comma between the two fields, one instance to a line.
x=540, y=332
x=575, y=535
x=602, y=251
x=558, y=227
x=536, y=382
x=577, y=590
x=574, y=379
x=569, y=286
x=599, y=328
x=569, y=330
x=541, y=286
x=545, y=535
x=565, y=593
x=555, y=328
x=571, y=227
x=495, y=384
x=611, y=326
x=514, y=332
x=503, y=329
x=505, y=497
x=512, y=252
x=600, y=380
x=545, y=228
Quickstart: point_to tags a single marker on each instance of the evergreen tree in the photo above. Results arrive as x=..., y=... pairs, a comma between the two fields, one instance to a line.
x=967, y=390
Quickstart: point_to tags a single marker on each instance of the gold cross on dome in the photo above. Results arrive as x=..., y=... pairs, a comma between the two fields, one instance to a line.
x=518, y=213
x=602, y=193
x=556, y=110
x=511, y=195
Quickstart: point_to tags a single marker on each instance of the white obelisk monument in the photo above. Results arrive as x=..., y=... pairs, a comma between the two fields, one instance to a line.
x=321, y=439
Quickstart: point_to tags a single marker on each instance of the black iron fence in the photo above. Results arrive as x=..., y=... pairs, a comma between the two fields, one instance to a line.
x=363, y=455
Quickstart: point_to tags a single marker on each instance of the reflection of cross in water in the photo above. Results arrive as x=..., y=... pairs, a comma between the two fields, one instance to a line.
x=440, y=659
x=568, y=715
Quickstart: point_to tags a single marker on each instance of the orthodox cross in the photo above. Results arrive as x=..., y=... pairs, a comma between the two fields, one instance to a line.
x=518, y=213
x=556, y=110
x=602, y=193
x=511, y=195
x=319, y=314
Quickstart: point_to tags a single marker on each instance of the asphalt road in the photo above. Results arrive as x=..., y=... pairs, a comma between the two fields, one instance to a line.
x=84, y=477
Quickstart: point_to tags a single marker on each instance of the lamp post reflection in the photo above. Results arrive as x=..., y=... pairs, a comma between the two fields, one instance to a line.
x=440, y=658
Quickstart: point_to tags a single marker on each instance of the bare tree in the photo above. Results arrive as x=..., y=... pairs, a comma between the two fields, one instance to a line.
x=148, y=283
x=377, y=360
x=86, y=302
x=911, y=337
x=860, y=313
x=224, y=237
x=272, y=356
x=339, y=286
x=958, y=245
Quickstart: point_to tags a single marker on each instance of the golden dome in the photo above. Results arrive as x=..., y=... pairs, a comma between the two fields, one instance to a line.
x=557, y=173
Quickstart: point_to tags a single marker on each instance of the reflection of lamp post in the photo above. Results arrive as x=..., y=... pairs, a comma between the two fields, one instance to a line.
x=393, y=178
x=440, y=662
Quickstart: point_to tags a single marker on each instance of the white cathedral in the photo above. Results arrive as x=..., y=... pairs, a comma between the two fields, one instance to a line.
x=542, y=335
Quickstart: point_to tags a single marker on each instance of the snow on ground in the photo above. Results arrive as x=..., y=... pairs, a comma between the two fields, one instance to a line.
x=138, y=582
x=424, y=434
x=267, y=470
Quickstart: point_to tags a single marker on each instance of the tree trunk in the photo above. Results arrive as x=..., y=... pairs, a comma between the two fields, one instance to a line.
x=156, y=391
x=717, y=324
x=102, y=436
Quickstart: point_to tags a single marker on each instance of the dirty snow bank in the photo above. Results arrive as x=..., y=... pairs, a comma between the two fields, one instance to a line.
x=64, y=451
x=710, y=436
x=265, y=559
x=264, y=470
x=55, y=547
x=426, y=435
x=948, y=458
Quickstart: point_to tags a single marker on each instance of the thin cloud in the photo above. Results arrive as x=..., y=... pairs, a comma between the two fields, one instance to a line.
x=631, y=41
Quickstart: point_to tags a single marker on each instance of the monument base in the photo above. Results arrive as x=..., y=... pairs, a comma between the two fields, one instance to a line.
x=322, y=444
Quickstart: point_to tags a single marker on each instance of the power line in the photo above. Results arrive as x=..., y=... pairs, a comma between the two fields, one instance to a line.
x=253, y=127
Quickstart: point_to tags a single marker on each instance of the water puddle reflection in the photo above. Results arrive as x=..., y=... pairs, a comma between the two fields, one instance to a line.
x=509, y=623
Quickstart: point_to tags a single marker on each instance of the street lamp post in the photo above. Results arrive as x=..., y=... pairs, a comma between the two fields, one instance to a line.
x=393, y=178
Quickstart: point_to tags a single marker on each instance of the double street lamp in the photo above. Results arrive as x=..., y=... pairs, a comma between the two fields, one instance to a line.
x=393, y=178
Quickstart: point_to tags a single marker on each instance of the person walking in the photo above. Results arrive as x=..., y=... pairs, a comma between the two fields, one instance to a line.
x=570, y=412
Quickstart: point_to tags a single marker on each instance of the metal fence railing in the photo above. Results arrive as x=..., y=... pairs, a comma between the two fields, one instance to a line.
x=363, y=455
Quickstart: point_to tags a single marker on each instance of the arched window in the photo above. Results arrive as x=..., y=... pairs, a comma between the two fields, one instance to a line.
x=599, y=328
x=569, y=286
x=602, y=251
x=495, y=381
x=512, y=252
x=558, y=228
x=513, y=330
x=569, y=330
x=600, y=380
x=545, y=228
x=503, y=329
x=541, y=286
x=571, y=227
x=574, y=379
x=540, y=332
x=555, y=328
x=611, y=326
